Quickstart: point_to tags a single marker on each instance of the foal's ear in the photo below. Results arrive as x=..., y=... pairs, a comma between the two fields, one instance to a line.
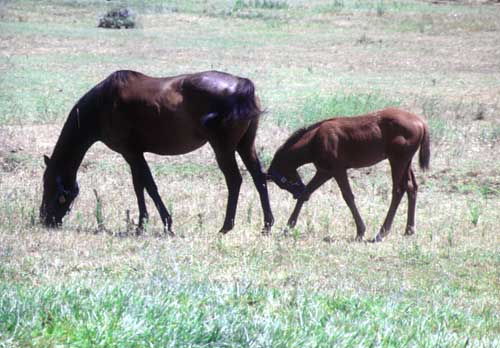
x=46, y=159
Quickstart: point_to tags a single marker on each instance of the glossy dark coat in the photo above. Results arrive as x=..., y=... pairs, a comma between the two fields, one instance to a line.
x=133, y=113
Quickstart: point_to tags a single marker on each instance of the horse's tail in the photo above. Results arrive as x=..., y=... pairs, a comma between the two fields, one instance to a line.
x=425, y=149
x=227, y=98
x=241, y=105
x=244, y=104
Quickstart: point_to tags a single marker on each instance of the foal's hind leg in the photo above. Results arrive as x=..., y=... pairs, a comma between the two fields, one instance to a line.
x=345, y=188
x=399, y=170
x=143, y=178
x=411, y=191
x=247, y=152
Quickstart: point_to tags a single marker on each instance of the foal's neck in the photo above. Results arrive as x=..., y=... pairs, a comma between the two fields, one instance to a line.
x=295, y=155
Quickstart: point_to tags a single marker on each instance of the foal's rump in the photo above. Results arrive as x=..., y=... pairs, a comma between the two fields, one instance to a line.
x=410, y=129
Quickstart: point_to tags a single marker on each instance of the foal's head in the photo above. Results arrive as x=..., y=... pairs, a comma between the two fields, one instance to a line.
x=58, y=195
x=285, y=176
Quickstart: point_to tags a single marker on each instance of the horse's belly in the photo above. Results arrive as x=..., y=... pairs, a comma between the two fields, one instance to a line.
x=149, y=134
x=172, y=146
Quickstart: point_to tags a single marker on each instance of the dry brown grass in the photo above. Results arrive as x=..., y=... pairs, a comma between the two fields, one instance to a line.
x=414, y=57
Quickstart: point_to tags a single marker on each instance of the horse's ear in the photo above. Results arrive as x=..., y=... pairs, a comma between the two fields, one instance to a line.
x=46, y=159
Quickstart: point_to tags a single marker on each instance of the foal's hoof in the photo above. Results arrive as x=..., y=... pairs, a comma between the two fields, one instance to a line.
x=139, y=230
x=285, y=232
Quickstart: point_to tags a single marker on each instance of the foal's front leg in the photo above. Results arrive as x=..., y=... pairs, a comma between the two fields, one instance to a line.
x=345, y=188
x=319, y=179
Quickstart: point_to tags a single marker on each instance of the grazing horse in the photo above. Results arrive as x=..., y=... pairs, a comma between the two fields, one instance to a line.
x=337, y=144
x=133, y=113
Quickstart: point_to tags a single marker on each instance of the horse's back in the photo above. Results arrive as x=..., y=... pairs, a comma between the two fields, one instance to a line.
x=166, y=115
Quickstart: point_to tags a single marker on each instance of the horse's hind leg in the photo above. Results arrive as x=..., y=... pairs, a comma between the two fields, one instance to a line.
x=227, y=163
x=246, y=150
x=345, y=188
x=411, y=191
x=143, y=178
x=399, y=171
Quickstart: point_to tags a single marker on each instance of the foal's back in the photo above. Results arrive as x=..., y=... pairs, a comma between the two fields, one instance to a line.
x=361, y=141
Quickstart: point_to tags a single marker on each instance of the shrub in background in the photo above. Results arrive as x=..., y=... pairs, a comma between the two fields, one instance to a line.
x=118, y=18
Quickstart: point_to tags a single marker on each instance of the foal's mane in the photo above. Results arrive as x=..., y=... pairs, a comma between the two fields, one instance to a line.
x=299, y=133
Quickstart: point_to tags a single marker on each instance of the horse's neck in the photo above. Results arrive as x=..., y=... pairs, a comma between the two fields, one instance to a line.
x=74, y=141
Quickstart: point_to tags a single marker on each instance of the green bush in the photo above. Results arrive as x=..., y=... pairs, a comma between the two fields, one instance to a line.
x=118, y=18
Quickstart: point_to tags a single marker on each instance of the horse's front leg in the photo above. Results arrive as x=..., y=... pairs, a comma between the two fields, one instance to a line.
x=229, y=167
x=139, y=193
x=143, y=178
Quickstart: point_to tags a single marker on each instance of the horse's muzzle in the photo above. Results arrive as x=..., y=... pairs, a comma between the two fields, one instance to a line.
x=49, y=220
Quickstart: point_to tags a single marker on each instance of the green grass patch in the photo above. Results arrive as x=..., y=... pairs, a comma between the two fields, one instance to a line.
x=164, y=313
x=318, y=107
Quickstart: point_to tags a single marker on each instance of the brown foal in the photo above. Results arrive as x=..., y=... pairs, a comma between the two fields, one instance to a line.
x=337, y=144
x=133, y=113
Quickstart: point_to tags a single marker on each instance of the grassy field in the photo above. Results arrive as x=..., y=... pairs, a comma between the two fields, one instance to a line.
x=77, y=287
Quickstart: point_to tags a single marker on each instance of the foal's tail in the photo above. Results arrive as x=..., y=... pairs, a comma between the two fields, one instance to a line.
x=425, y=149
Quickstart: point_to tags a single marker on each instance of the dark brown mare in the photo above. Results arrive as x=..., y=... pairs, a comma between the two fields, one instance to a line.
x=337, y=144
x=133, y=113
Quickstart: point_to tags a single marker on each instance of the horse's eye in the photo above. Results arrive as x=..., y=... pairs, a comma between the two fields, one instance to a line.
x=62, y=199
x=283, y=180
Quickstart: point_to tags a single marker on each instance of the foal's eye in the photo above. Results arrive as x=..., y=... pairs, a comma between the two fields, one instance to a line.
x=283, y=180
x=62, y=199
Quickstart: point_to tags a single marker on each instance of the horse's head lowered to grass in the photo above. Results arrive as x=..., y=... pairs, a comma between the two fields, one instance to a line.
x=59, y=193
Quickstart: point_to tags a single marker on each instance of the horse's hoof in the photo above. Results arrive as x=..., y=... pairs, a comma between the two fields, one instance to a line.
x=169, y=233
x=410, y=231
x=377, y=239
x=358, y=238
x=266, y=231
